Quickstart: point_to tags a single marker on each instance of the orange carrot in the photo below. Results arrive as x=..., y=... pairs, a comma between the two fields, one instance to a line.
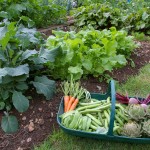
x=74, y=86
x=70, y=103
x=74, y=104
x=79, y=94
x=66, y=101
x=65, y=88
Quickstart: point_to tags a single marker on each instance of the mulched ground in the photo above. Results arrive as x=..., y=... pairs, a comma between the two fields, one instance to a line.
x=38, y=122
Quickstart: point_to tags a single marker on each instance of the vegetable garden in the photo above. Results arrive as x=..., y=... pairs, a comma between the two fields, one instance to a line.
x=44, y=57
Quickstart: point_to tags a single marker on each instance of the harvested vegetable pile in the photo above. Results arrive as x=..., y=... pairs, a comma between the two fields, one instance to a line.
x=87, y=116
x=83, y=113
x=138, y=113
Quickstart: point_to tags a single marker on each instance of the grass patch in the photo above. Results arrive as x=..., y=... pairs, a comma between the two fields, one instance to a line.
x=136, y=85
x=62, y=141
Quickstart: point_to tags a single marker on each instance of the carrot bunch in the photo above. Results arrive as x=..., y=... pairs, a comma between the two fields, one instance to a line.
x=72, y=93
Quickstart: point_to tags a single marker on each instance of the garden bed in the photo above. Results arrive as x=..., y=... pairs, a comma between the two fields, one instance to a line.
x=42, y=114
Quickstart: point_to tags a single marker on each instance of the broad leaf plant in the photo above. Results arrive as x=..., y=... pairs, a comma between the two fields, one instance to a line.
x=21, y=58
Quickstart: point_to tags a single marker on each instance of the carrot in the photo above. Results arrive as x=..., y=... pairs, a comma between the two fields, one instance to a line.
x=66, y=101
x=70, y=96
x=72, y=93
x=76, y=100
x=74, y=89
x=74, y=104
x=65, y=88
x=70, y=102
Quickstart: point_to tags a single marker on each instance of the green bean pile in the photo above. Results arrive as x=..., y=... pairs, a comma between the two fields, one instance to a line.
x=93, y=115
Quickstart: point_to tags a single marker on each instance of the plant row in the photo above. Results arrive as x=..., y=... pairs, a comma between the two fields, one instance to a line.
x=41, y=13
x=89, y=52
x=134, y=16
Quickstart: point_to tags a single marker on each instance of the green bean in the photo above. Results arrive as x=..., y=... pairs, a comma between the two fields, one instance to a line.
x=121, y=115
x=121, y=107
x=105, y=123
x=95, y=109
x=76, y=116
x=95, y=100
x=108, y=99
x=100, y=118
x=116, y=128
x=88, y=106
x=89, y=103
x=66, y=121
x=119, y=120
x=94, y=115
x=93, y=127
x=84, y=122
x=64, y=115
x=94, y=119
x=80, y=123
x=94, y=123
x=107, y=115
x=89, y=111
x=108, y=111
x=88, y=123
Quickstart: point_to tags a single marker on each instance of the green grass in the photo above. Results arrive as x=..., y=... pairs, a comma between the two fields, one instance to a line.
x=62, y=141
x=136, y=85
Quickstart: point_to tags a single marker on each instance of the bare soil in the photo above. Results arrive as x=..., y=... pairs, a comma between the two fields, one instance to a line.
x=41, y=116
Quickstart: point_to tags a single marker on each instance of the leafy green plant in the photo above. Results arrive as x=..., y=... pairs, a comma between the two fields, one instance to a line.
x=134, y=16
x=140, y=36
x=40, y=12
x=99, y=16
x=89, y=2
x=45, y=15
x=89, y=52
x=20, y=65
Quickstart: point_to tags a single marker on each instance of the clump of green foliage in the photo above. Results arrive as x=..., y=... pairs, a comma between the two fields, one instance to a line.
x=89, y=52
x=21, y=59
x=140, y=36
x=42, y=13
x=133, y=16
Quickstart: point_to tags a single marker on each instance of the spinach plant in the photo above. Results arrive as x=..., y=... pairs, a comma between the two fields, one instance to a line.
x=21, y=58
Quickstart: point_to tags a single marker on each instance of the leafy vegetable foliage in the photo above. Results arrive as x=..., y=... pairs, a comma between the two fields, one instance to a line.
x=9, y=123
x=133, y=16
x=89, y=52
x=20, y=62
x=33, y=12
x=48, y=86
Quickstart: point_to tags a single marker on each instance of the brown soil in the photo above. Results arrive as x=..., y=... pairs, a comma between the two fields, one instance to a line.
x=42, y=114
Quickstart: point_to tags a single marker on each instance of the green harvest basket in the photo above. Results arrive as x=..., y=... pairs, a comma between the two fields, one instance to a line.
x=109, y=136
